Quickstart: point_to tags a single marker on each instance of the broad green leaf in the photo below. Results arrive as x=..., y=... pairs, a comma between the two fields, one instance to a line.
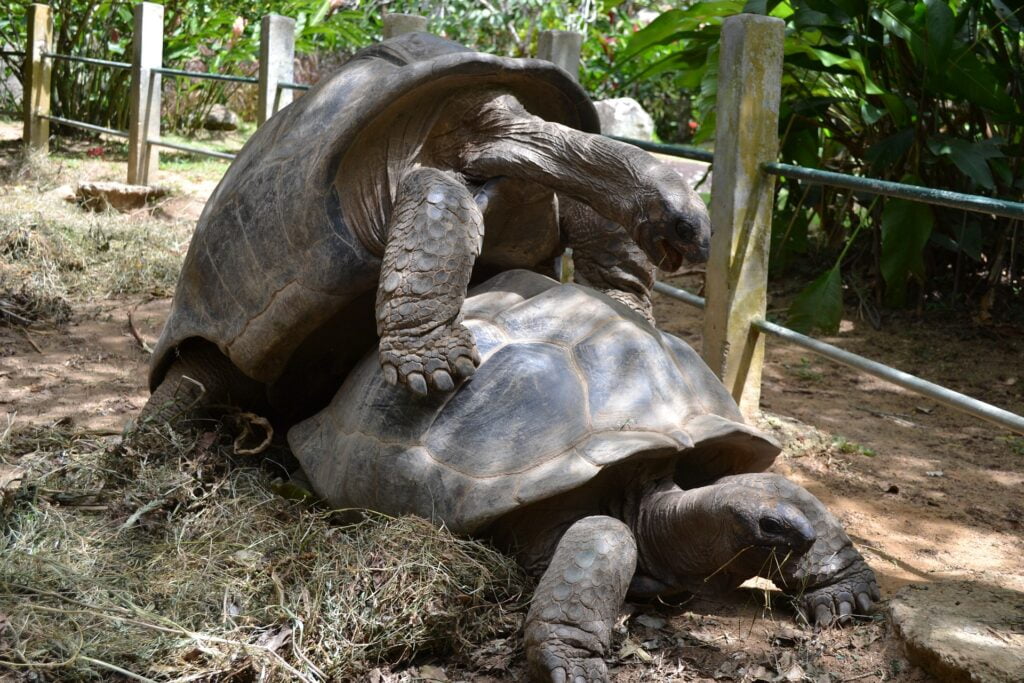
x=819, y=305
x=756, y=7
x=939, y=21
x=870, y=114
x=970, y=157
x=906, y=226
x=888, y=151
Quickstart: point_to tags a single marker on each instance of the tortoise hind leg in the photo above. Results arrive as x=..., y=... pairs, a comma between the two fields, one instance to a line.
x=569, y=626
x=199, y=379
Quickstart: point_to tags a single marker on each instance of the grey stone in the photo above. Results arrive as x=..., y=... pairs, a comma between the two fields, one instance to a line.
x=100, y=196
x=221, y=118
x=962, y=630
x=624, y=117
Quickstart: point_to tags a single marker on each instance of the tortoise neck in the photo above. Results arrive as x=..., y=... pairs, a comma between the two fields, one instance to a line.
x=678, y=533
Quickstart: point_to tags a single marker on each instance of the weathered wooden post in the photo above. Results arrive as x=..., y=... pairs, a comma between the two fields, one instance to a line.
x=749, y=80
x=562, y=48
x=277, y=64
x=36, y=93
x=395, y=24
x=144, y=124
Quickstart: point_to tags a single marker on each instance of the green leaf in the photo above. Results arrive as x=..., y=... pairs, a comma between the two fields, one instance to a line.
x=970, y=157
x=888, y=151
x=819, y=305
x=939, y=21
x=906, y=226
x=756, y=7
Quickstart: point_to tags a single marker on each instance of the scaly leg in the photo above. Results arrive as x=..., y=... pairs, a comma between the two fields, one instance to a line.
x=606, y=258
x=434, y=237
x=569, y=626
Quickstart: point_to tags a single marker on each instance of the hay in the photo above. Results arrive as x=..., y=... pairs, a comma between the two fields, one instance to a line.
x=60, y=251
x=159, y=560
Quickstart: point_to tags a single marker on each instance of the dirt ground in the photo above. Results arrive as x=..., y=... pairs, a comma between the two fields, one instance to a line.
x=928, y=494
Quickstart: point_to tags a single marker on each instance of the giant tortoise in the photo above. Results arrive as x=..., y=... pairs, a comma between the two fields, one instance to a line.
x=364, y=206
x=598, y=450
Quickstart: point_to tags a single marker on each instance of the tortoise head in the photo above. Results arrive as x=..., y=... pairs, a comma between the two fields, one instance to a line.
x=674, y=227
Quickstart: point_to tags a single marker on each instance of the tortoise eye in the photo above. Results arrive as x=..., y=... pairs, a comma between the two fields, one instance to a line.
x=770, y=525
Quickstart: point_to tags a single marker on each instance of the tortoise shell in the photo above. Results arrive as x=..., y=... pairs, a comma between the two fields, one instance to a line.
x=277, y=275
x=571, y=382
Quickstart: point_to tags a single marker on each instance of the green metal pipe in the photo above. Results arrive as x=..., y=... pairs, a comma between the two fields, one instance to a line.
x=293, y=86
x=208, y=76
x=684, y=151
x=955, y=200
x=84, y=126
x=88, y=60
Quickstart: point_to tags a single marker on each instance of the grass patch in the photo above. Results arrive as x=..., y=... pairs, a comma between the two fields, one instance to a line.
x=51, y=250
x=163, y=559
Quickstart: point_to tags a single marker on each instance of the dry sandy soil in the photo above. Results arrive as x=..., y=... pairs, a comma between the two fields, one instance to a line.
x=928, y=495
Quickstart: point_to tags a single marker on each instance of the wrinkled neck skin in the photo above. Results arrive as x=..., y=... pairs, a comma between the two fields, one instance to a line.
x=686, y=542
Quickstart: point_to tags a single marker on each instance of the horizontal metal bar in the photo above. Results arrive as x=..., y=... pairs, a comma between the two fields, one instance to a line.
x=192, y=150
x=947, y=397
x=293, y=86
x=11, y=53
x=928, y=195
x=88, y=60
x=203, y=74
x=681, y=294
x=684, y=151
x=84, y=126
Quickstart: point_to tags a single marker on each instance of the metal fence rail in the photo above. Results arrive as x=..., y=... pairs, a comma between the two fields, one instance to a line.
x=947, y=397
x=192, y=150
x=12, y=53
x=88, y=60
x=685, y=151
x=287, y=85
x=927, y=195
x=205, y=75
x=84, y=126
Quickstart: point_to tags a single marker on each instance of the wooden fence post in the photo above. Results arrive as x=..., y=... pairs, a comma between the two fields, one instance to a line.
x=144, y=124
x=277, y=64
x=562, y=48
x=395, y=24
x=742, y=196
x=36, y=93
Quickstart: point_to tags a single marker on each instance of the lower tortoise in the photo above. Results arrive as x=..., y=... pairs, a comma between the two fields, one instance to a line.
x=603, y=453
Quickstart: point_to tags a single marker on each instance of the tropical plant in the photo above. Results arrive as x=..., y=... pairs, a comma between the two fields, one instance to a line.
x=929, y=93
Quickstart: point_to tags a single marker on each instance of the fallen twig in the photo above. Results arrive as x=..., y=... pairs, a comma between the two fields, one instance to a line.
x=135, y=334
x=31, y=341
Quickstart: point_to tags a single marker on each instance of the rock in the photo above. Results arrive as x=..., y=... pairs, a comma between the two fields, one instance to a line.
x=961, y=631
x=10, y=82
x=100, y=196
x=221, y=118
x=624, y=117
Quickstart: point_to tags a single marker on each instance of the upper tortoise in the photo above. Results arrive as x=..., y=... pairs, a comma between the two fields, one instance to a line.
x=389, y=185
x=602, y=452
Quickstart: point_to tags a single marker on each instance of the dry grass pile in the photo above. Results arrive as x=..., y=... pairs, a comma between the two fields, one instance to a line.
x=53, y=252
x=160, y=560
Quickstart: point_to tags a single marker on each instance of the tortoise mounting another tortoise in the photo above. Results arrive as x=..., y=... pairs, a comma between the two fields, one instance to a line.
x=362, y=210
x=602, y=452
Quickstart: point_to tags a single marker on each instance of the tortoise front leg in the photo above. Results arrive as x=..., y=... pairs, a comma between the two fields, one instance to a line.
x=569, y=625
x=605, y=257
x=433, y=238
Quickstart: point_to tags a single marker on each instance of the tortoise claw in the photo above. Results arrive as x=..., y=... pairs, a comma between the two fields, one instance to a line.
x=442, y=381
x=390, y=375
x=417, y=383
x=464, y=367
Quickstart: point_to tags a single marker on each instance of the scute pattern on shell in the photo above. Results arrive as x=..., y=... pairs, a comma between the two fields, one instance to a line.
x=571, y=382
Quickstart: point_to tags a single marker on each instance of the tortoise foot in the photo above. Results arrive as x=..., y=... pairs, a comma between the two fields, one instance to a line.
x=569, y=626
x=841, y=602
x=558, y=662
x=434, y=361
